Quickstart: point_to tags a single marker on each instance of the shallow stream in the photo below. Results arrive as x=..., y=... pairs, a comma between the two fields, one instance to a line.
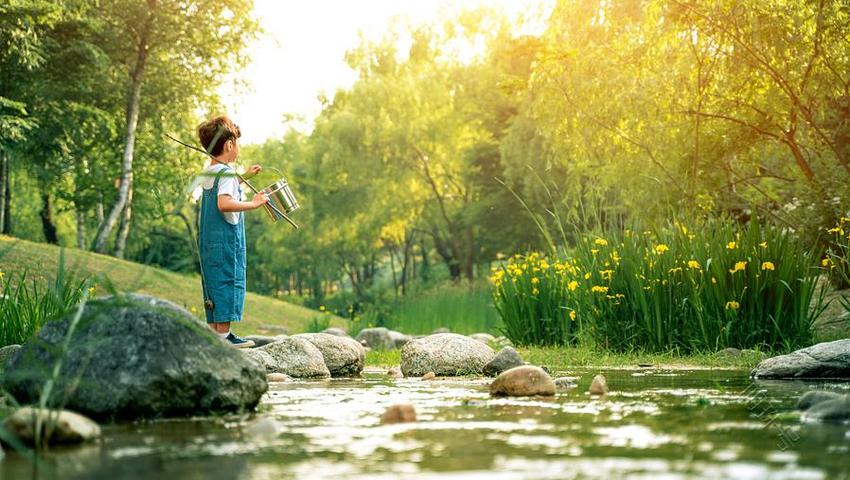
x=659, y=424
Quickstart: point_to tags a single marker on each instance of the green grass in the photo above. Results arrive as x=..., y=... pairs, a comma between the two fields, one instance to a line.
x=41, y=262
x=564, y=358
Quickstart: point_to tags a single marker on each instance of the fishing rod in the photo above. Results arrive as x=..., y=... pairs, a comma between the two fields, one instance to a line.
x=278, y=191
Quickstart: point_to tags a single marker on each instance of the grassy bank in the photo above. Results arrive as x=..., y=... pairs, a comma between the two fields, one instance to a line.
x=40, y=261
x=565, y=358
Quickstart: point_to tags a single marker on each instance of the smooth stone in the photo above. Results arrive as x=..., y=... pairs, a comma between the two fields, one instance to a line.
x=262, y=357
x=395, y=372
x=297, y=358
x=260, y=340
x=485, y=338
x=814, y=397
x=835, y=410
x=278, y=377
x=399, y=339
x=523, y=381
x=67, y=426
x=599, y=385
x=343, y=356
x=824, y=360
x=135, y=357
x=429, y=376
x=336, y=331
x=506, y=359
x=565, y=383
x=377, y=338
x=264, y=428
x=445, y=354
x=400, y=413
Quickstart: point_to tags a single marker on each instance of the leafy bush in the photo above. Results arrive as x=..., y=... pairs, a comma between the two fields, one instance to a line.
x=716, y=286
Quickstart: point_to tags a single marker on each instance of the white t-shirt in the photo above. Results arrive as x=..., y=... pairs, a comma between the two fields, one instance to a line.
x=228, y=184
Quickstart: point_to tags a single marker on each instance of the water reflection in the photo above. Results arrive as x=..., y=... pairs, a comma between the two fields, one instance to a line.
x=669, y=424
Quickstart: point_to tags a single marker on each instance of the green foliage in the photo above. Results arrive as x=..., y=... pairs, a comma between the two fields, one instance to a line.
x=317, y=323
x=28, y=302
x=704, y=287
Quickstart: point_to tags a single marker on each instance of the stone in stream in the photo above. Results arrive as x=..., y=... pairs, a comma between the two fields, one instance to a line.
x=399, y=339
x=395, y=372
x=484, y=338
x=835, y=410
x=6, y=354
x=445, y=354
x=64, y=426
x=565, y=383
x=824, y=360
x=400, y=413
x=429, y=376
x=336, y=331
x=297, y=358
x=599, y=385
x=523, y=381
x=814, y=397
x=506, y=359
x=377, y=338
x=278, y=377
x=262, y=357
x=260, y=340
x=343, y=356
x=131, y=358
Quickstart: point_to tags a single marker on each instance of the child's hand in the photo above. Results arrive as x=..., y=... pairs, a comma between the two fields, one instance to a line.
x=254, y=169
x=259, y=199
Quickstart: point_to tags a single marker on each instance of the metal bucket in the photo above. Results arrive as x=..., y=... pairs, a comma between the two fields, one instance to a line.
x=281, y=198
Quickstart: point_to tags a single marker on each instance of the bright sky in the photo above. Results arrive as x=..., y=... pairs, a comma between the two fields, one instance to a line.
x=302, y=53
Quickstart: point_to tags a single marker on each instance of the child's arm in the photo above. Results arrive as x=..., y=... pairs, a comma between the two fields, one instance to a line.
x=226, y=203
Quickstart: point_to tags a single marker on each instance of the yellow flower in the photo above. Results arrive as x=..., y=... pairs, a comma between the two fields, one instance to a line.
x=826, y=262
x=732, y=305
x=587, y=276
x=535, y=291
x=91, y=291
x=601, y=242
x=674, y=270
x=194, y=310
x=616, y=257
x=837, y=230
x=321, y=308
x=594, y=251
x=731, y=245
x=535, y=280
x=763, y=244
x=768, y=266
x=693, y=264
x=661, y=248
x=606, y=274
x=713, y=280
x=2, y=274
x=544, y=264
x=572, y=285
x=739, y=266
x=599, y=289
x=572, y=315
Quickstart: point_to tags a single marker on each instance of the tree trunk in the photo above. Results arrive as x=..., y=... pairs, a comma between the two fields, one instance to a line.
x=81, y=228
x=132, y=117
x=124, y=226
x=4, y=172
x=7, y=203
x=46, y=215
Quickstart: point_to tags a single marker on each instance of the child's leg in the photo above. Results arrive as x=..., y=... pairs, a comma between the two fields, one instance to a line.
x=220, y=327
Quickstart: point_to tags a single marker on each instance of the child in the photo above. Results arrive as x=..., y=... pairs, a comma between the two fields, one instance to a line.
x=222, y=229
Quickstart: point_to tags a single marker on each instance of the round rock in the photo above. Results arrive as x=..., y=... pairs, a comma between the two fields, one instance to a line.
x=445, y=354
x=336, y=331
x=835, y=410
x=506, y=359
x=377, y=338
x=344, y=356
x=484, y=338
x=399, y=414
x=523, y=381
x=399, y=339
x=599, y=385
x=813, y=397
x=297, y=358
x=131, y=359
x=824, y=360
x=66, y=426
x=262, y=357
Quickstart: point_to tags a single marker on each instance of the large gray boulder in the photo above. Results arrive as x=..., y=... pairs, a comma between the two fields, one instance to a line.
x=377, y=338
x=297, y=358
x=445, y=354
x=824, y=360
x=262, y=357
x=344, y=356
x=131, y=358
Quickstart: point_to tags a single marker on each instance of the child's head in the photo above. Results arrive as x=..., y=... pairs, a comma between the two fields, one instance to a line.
x=218, y=137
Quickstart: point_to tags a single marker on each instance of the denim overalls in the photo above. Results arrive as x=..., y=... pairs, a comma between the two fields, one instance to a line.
x=222, y=248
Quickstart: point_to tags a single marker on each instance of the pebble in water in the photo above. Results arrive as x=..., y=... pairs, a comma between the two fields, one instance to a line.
x=278, y=377
x=429, y=376
x=599, y=386
x=395, y=372
x=565, y=383
x=66, y=426
x=523, y=381
x=400, y=413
